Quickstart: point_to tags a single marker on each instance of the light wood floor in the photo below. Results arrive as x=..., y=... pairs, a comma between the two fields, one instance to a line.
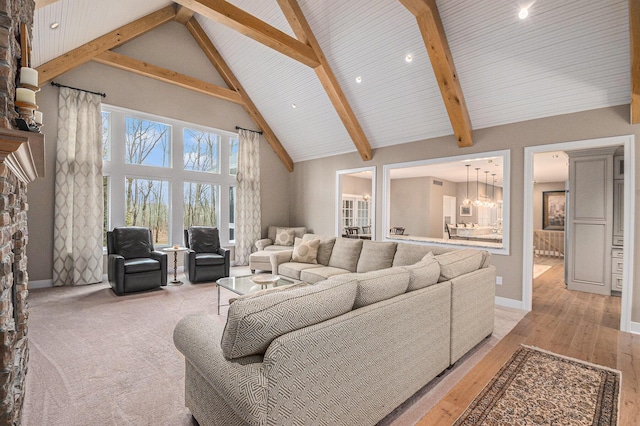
x=576, y=324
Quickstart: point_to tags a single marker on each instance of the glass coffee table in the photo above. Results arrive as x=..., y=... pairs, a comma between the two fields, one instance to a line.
x=245, y=285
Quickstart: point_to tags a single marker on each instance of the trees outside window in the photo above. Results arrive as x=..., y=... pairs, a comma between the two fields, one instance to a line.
x=166, y=175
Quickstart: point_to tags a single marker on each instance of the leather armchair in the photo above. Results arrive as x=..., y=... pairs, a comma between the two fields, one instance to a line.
x=133, y=264
x=205, y=260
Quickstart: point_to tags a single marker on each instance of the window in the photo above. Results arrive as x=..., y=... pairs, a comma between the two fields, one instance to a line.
x=233, y=156
x=201, y=151
x=105, y=192
x=166, y=175
x=147, y=142
x=200, y=204
x=147, y=204
x=421, y=196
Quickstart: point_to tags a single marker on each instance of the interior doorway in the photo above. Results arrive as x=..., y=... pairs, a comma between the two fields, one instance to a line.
x=627, y=142
x=448, y=215
x=550, y=197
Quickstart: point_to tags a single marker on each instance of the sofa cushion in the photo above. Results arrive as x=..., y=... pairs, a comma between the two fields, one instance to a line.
x=376, y=255
x=424, y=273
x=284, y=237
x=305, y=251
x=294, y=269
x=314, y=275
x=253, y=323
x=267, y=290
x=345, y=254
x=132, y=241
x=458, y=262
x=143, y=264
x=203, y=259
x=408, y=254
x=376, y=286
x=325, y=248
x=203, y=239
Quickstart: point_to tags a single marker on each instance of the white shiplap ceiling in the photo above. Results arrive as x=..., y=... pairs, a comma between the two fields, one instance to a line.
x=567, y=56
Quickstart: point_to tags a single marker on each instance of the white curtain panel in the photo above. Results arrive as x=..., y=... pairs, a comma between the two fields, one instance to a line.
x=247, y=196
x=78, y=222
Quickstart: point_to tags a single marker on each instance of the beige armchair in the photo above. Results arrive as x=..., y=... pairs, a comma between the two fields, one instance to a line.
x=282, y=240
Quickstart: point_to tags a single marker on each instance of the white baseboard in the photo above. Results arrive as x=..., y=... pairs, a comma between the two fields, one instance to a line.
x=634, y=327
x=41, y=284
x=509, y=303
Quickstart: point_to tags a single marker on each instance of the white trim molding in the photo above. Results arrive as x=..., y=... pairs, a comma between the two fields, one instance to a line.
x=510, y=303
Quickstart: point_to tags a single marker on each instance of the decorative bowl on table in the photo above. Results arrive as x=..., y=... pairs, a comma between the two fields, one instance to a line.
x=264, y=280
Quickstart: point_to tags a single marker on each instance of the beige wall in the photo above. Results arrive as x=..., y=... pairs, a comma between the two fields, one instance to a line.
x=314, y=204
x=409, y=202
x=143, y=94
x=356, y=185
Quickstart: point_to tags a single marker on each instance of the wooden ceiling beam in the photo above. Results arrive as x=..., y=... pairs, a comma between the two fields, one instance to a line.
x=227, y=75
x=301, y=28
x=145, y=69
x=183, y=14
x=227, y=14
x=88, y=51
x=634, y=29
x=435, y=40
x=43, y=3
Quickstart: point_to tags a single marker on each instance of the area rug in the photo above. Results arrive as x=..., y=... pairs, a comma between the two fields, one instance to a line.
x=540, y=387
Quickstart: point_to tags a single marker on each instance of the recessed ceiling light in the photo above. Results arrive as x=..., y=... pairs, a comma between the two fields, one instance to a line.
x=358, y=79
x=294, y=106
x=54, y=25
x=524, y=12
x=409, y=57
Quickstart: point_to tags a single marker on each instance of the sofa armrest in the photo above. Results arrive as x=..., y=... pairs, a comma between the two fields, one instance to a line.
x=278, y=257
x=242, y=385
x=162, y=258
x=226, y=253
x=115, y=272
x=472, y=309
x=261, y=244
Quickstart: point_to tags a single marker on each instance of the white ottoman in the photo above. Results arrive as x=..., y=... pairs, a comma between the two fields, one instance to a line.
x=259, y=260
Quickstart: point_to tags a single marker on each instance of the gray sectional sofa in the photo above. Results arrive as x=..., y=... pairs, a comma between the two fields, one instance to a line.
x=346, y=350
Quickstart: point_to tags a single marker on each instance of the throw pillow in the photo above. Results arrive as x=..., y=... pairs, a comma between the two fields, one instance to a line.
x=458, y=262
x=305, y=251
x=253, y=323
x=325, y=249
x=284, y=237
x=383, y=284
x=424, y=273
x=376, y=255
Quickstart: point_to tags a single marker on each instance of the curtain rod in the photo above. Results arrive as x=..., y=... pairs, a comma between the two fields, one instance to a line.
x=53, y=83
x=249, y=130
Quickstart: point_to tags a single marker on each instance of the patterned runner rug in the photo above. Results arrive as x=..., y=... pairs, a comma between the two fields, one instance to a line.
x=539, y=387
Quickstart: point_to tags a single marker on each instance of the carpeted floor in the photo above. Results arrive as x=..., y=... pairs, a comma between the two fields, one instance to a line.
x=100, y=359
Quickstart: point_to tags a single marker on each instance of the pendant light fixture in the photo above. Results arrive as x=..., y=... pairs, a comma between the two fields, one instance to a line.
x=466, y=200
x=477, y=201
x=487, y=201
x=493, y=190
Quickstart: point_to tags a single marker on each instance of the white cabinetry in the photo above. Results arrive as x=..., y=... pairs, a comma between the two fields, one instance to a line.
x=618, y=223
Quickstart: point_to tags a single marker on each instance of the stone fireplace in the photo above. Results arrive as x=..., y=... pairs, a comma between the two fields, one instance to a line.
x=21, y=161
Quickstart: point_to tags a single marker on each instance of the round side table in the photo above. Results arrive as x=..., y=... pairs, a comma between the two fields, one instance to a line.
x=175, y=251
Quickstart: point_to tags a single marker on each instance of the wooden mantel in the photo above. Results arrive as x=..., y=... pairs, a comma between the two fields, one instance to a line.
x=23, y=153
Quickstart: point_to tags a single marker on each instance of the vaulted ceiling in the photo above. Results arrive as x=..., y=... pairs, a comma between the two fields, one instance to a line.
x=343, y=64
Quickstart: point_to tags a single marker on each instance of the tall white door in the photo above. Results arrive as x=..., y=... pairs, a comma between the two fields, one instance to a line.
x=448, y=213
x=590, y=222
